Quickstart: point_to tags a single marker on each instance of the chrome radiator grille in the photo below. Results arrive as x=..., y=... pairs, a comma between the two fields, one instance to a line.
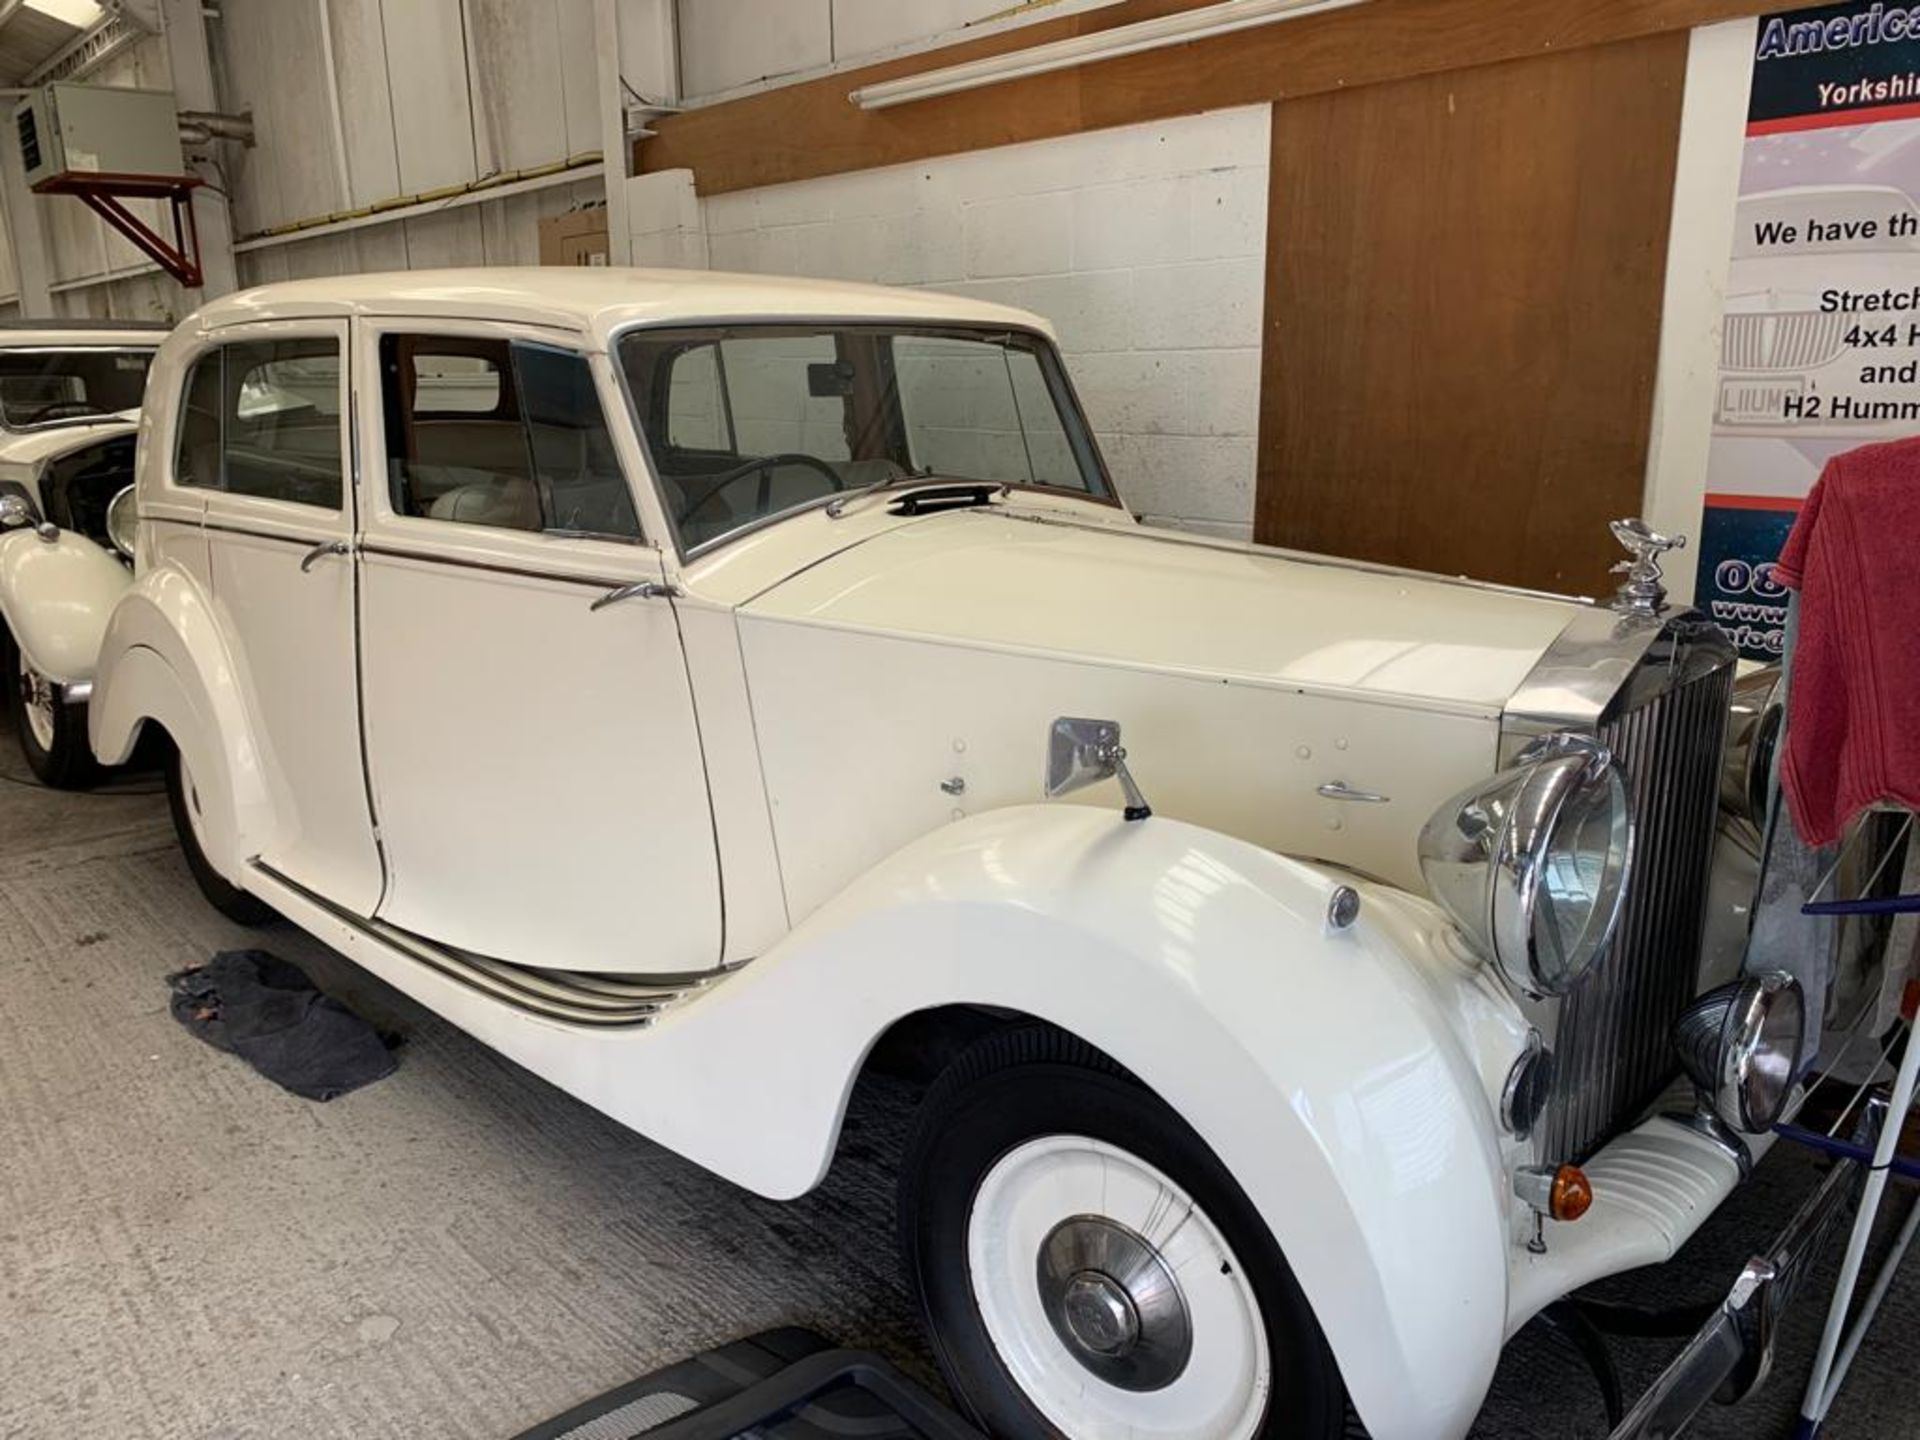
x=1612, y=1041
x=1782, y=340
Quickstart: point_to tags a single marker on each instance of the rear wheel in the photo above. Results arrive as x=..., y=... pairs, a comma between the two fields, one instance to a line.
x=1089, y=1269
x=53, y=734
x=189, y=823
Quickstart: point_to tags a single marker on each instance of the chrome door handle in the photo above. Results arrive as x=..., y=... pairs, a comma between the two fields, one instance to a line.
x=639, y=590
x=1340, y=790
x=320, y=552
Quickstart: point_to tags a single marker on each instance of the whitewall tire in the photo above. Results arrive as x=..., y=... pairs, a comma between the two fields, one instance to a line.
x=1087, y=1267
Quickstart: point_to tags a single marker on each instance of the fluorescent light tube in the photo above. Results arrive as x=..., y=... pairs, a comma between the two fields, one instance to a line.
x=1181, y=29
x=77, y=13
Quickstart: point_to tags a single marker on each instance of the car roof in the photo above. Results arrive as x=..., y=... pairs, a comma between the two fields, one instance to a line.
x=601, y=299
x=35, y=334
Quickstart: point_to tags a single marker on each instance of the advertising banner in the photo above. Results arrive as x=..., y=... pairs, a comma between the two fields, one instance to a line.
x=1820, y=347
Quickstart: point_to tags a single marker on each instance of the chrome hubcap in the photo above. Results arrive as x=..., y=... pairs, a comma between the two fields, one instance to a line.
x=1114, y=1303
x=36, y=704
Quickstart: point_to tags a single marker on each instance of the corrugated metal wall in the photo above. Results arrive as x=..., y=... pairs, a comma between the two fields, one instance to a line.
x=434, y=95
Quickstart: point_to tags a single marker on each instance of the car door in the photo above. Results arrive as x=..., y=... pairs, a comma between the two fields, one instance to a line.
x=530, y=731
x=263, y=438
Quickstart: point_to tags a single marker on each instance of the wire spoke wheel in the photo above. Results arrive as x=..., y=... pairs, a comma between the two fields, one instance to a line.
x=38, y=704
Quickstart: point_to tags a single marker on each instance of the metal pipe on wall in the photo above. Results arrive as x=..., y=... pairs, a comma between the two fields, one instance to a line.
x=342, y=171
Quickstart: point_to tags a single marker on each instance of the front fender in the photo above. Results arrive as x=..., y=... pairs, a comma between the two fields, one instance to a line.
x=1321, y=1067
x=1318, y=1065
x=55, y=596
x=164, y=660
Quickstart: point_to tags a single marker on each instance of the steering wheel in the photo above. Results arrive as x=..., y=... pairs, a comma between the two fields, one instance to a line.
x=763, y=467
x=54, y=411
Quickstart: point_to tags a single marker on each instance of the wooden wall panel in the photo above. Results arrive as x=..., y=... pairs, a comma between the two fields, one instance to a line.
x=1463, y=313
x=805, y=130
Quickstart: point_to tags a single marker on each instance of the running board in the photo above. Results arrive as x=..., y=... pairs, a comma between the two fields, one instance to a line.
x=612, y=1001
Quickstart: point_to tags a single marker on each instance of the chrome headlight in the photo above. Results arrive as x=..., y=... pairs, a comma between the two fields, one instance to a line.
x=123, y=522
x=1753, y=733
x=1533, y=863
x=1740, y=1045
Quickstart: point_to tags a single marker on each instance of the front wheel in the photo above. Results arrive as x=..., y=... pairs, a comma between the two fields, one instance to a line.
x=53, y=734
x=1089, y=1269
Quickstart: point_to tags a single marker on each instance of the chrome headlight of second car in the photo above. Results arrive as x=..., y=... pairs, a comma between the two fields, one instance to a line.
x=1533, y=862
x=16, y=511
x=123, y=522
x=1741, y=1045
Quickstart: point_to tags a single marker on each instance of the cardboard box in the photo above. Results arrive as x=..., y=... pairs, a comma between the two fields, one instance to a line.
x=578, y=237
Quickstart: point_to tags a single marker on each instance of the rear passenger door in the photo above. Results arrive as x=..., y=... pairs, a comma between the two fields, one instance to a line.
x=529, y=728
x=264, y=438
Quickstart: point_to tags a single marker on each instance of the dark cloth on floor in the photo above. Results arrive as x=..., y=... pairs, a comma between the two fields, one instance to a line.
x=1853, y=711
x=266, y=1011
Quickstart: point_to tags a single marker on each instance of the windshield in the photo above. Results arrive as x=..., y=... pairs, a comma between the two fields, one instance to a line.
x=44, y=387
x=752, y=421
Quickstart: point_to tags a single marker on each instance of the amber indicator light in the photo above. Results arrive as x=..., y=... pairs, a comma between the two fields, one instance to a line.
x=1572, y=1193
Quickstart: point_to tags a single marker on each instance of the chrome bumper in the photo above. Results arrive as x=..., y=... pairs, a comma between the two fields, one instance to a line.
x=1731, y=1354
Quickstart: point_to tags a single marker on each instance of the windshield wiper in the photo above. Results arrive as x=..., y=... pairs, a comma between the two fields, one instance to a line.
x=947, y=495
x=837, y=506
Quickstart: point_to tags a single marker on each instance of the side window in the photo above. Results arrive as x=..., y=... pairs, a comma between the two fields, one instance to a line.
x=196, y=456
x=500, y=433
x=469, y=384
x=582, y=487
x=263, y=418
x=280, y=421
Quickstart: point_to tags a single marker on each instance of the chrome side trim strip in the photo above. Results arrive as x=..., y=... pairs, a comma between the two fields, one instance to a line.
x=221, y=529
x=424, y=557
x=598, y=1001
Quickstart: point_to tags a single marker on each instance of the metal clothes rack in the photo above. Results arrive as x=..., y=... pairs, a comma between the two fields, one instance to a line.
x=1839, y=1341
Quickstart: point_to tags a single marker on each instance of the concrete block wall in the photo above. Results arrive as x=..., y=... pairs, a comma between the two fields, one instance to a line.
x=1145, y=246
x=664, y=220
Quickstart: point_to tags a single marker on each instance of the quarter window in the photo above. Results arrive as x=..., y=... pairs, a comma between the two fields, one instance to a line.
x=500, y=433
x=262, y=418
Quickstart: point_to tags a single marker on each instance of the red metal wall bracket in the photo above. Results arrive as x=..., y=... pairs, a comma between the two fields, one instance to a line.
x=102, y=193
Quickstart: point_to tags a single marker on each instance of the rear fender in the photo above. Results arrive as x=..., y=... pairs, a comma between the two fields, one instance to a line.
x=163, y=659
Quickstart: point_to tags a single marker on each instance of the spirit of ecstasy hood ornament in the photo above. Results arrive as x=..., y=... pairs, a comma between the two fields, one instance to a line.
x=1642, y=593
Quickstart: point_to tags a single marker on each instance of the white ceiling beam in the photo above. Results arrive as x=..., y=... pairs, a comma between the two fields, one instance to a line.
x=184, y=24
x=616, y=152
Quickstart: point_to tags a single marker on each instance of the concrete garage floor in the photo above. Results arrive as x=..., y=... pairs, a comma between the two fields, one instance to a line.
x=462, y=1250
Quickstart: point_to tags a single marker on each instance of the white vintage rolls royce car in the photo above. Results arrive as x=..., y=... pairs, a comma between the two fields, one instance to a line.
x=676, y=680
x=68, y=393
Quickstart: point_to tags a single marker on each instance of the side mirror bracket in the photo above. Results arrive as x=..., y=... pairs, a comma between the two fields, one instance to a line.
x=1085, y=752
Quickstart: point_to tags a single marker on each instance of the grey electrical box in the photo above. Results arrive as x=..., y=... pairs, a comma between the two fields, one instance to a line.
x=101, y=130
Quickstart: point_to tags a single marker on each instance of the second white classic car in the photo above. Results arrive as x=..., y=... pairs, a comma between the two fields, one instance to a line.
x=68, y=393
x=675, y=680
